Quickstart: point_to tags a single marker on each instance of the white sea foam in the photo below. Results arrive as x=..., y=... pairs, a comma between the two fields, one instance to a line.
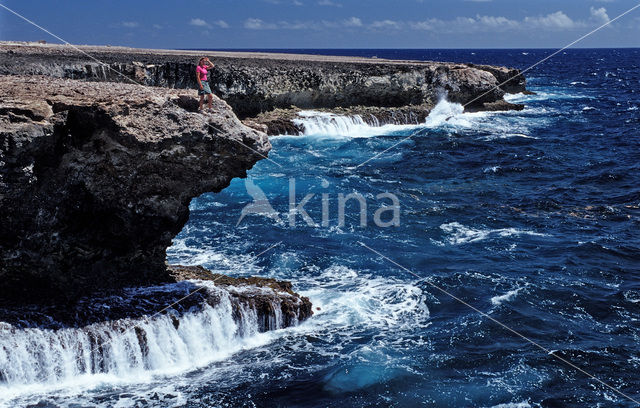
x=183, y=254
x=632, y=296
x=347, y=298
x=34, y=360
x=498, y=300
x=328, y=124
x=509, y=136
x=325, y=124
x=460, y=234
x=445, y=115
x=213, y=258
x=545, y=95
x=523, y=404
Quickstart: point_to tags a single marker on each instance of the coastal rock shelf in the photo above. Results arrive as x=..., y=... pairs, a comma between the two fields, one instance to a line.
x=124, y=334
x=96, y=180
x=398, y=92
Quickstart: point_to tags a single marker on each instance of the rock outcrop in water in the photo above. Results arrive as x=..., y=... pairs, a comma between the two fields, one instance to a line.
x=253, y=84
x=96, y=179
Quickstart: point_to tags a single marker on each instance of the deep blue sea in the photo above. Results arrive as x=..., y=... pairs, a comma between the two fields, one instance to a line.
x=530, y=217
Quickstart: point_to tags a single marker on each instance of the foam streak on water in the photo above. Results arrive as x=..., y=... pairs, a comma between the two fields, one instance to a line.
x=328, y=124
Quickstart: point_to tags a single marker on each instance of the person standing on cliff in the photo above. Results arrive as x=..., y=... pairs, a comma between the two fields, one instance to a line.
x=202, y=71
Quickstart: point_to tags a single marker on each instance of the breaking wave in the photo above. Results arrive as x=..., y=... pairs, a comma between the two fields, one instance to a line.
x=133, y=349
x=457, y=234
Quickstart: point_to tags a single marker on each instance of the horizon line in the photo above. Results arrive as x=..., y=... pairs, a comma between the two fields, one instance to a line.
x=322, y=48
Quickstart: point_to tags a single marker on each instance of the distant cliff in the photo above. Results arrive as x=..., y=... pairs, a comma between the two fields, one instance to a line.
x=256, y=83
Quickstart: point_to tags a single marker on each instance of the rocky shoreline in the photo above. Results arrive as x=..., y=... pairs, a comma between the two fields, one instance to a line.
x=97, y=172
x=265, y=90
x=186, y=291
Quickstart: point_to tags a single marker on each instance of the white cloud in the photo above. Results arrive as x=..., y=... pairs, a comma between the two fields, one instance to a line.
x=258, y=24
x=329, y=3
x=293, y=2
x=557, y=20
x=426, y=25
x=198, y=22
x=479, y=23
x=130, y=24
x=221, y=23
x=466, y=24
x=460, y=25
x=386, y=24
x=352, y=22
x=499, y=23
x=298, y=25
x=600, y=15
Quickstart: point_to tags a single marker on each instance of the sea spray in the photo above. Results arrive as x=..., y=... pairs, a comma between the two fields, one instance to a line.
x=136, y=348
x=317, y=123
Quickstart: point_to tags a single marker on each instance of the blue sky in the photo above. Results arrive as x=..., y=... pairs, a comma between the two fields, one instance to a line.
x=325, y=23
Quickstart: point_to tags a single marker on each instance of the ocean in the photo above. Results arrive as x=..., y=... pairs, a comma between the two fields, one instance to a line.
x=529, y=217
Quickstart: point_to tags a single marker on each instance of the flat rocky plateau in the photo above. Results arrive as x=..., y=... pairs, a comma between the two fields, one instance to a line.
x=268, y=90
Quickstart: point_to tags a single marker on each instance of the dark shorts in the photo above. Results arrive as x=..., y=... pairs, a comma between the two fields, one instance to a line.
x=206, y=89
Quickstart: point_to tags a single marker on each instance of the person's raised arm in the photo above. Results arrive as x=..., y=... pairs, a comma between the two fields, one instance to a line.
x=210, y=64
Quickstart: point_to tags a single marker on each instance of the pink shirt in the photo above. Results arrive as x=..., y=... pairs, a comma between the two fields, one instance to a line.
x=203, y=71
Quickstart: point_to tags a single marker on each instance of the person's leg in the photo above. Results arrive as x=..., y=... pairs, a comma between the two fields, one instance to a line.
x=210, y=96
x=201, y=102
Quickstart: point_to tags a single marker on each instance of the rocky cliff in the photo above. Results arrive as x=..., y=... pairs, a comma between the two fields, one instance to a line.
x=254, y=84
x=96, y=172
x=96, y=180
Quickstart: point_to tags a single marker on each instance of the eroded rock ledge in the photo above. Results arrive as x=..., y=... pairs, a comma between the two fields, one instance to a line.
x=96, y=179
x=258, y=86
x=270, y=299
x=256, y=292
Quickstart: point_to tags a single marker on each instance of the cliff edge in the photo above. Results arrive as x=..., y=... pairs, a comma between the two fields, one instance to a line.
x=96, y=180
x=268, y=90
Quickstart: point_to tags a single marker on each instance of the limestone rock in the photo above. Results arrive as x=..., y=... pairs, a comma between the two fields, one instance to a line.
x=256, y=83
